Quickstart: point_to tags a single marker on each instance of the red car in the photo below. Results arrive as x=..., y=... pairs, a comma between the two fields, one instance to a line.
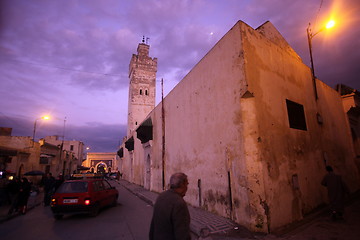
x=83, y=196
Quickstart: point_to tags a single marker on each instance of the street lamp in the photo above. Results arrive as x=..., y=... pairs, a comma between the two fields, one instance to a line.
x=310, y=36
x=45, y=118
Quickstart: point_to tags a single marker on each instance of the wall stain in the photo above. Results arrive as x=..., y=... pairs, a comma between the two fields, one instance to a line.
x=267, y=213
x=211, y=199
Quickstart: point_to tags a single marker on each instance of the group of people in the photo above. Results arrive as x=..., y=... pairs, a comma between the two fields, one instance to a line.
x=19, y=189
x=19, y=193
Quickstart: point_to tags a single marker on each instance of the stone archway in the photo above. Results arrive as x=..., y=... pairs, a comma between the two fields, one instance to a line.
x=101, y=167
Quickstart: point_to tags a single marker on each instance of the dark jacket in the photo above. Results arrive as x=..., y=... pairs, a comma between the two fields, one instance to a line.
x=171, y=218
x=25, y=189
x=337, y=190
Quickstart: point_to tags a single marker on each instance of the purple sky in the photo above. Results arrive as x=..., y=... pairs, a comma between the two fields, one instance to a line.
x=70, y=58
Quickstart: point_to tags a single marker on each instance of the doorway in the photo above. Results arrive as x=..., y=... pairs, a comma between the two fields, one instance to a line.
x=147, y=172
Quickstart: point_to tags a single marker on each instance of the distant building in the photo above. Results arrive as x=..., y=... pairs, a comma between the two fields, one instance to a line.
x=101, y=162
x=351, y=103
x=245, y=126
x=72, y=156
x=18, y=155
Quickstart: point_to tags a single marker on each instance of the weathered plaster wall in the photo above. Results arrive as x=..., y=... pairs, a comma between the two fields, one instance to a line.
x=28, y=155
x=292, y=160
x=204, y=131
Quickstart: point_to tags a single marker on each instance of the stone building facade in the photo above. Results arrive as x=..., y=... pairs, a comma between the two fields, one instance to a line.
x=245, y=126
x=351, y=103
x=101, y=162
x=72, y=154
x=18, y=154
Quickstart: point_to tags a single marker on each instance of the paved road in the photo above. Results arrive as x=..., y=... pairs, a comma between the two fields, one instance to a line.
x=130, y=219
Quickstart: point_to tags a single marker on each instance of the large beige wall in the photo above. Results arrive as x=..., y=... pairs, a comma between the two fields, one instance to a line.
x=290, y=156
x=204, y=131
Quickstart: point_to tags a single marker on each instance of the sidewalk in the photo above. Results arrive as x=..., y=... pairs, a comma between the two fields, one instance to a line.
x=316, y=226
x=201, y=220
x=35, y=199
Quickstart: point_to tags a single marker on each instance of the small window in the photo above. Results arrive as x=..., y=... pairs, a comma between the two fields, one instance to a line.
x=44, y=160
x=71, y=147
x=140, y=91
x=146, y=92
x=296, y=115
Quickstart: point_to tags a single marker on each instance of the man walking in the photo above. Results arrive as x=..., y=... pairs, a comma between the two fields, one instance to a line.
x=337, y=190
x=171, y=218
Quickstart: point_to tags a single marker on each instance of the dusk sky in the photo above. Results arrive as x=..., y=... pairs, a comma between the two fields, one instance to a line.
x=70, y=58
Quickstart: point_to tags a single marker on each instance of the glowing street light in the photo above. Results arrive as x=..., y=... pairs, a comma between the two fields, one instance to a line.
x=310, y=36
x=46, y=117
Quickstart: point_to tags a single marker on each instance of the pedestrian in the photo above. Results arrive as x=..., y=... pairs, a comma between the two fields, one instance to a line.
x=58, y=182
x=171, y=218
x=13, y=190
x=49, y=185
x=4, y=199
x=337, y=191
x=24, y=194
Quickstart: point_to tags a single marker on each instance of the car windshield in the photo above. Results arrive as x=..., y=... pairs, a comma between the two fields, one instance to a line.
x=73, y=187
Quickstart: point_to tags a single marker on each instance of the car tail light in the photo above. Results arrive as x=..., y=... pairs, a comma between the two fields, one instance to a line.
x=53, y=201
x=87, y=201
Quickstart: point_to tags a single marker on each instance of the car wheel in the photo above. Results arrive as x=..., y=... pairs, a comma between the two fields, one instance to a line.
x=58, y=216
x=95, y=210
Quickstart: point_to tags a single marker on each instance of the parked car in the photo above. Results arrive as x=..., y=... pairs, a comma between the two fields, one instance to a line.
x=111, y=176
x=87, y=195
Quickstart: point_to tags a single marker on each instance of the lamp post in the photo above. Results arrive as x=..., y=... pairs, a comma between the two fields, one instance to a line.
x=310, y=36
x=45, y=118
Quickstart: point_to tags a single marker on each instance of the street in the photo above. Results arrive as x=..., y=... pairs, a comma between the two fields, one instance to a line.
x=130, y=219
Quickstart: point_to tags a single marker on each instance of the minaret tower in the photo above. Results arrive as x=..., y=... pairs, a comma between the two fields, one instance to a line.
x=142, y=74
